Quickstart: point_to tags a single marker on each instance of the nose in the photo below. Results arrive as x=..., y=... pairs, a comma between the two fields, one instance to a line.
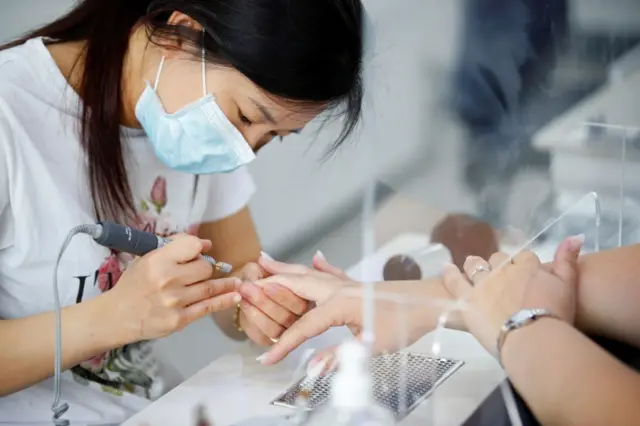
x=257, y=136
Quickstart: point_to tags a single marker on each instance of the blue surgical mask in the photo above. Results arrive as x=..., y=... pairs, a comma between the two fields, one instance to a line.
x=198, y=138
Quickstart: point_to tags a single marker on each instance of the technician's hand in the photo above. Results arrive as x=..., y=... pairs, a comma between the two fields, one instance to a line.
x=266, y=312
x=523, y=283
x=169, y=288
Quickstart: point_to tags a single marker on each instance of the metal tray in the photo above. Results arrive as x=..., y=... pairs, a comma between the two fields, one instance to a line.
x=401, y=382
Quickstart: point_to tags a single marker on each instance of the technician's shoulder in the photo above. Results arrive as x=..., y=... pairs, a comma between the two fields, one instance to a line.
x=17, y=69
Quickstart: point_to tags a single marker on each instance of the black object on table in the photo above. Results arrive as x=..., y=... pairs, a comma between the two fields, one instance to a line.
x=493, y=412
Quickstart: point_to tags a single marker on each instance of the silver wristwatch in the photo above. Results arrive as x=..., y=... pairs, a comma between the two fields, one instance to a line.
x=519, y=320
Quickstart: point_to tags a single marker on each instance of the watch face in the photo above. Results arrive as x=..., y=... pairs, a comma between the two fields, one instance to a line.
x=521, y=316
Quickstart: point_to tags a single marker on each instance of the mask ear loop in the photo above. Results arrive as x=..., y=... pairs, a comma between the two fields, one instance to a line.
x=204, y=64
x=155, y=85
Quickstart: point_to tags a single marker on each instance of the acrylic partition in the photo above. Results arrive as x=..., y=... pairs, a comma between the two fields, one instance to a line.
x=513, y=161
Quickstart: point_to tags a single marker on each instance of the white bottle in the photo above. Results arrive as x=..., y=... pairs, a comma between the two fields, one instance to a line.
x=351, y=402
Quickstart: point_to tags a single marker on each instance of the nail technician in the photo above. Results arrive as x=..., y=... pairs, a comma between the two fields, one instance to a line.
x=144, y=113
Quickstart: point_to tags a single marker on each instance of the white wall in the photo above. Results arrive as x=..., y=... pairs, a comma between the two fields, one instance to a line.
x=19, y=16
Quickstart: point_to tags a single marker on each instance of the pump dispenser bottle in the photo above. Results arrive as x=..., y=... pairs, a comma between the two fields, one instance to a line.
x=351, y=402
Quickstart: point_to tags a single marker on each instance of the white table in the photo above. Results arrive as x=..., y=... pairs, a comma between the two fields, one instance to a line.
x=235, y=387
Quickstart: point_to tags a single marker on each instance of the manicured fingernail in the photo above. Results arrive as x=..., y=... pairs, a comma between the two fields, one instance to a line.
x=575, y=243
x=265, y=256
x=262, y=358
x=237, y=298
x=321, y=255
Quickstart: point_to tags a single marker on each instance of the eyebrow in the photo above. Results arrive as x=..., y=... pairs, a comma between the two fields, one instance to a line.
x=265, y=112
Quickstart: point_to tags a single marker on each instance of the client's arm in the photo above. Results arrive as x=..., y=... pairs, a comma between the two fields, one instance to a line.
x=608, y=294
x=609, y=281
x=575, y=381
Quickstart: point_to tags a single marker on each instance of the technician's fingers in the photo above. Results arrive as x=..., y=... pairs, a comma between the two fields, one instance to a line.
x=287, y=299
x=266, y=325
x=476, y=269
x=455, y=282
x=209, y=306
x=195, y=271
x=208, y=289
x=321, y=264
x=275, y=267
x=257, y=297
x=184, y=248
x=312, y=324
x=252, y=332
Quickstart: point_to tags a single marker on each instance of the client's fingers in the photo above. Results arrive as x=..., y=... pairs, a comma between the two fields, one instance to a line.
x=476, y=269
x=304, y=286
x=287, y=299
x=321, y=264
x=312, y=324
x=252, y=332
x=266, y=325
x=257, y=297
x=455, y=282
x=275, y=267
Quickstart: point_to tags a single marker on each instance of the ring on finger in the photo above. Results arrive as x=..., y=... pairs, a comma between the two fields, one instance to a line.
x=479, y=268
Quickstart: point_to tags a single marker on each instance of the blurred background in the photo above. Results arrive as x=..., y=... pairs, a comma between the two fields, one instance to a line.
x=479, y=107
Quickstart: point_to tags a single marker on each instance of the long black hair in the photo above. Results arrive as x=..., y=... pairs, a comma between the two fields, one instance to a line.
x=302, y=50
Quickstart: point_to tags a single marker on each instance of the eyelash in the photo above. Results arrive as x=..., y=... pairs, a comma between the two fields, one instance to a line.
x=245, y=120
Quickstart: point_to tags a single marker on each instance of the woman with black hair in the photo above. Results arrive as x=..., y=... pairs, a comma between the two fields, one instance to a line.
x=145, y=113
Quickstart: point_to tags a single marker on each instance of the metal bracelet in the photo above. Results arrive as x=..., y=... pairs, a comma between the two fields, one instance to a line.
x=236, y=319
x=518, y=320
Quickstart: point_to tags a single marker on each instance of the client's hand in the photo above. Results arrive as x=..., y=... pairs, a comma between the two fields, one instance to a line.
x=339, y=302
x=522, y=283
x=266, y=312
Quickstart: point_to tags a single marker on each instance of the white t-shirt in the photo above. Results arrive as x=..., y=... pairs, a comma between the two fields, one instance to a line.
x=44, y=192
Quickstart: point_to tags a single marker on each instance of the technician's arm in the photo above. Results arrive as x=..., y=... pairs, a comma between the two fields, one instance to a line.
x=568, y=380
x=28, y=343
x=235, y=241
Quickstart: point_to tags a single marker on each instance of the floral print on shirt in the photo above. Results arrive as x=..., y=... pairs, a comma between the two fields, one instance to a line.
x=131, y=368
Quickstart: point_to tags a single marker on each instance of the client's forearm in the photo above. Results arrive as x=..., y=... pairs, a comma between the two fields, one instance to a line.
x=608, y=292
x=568, y=380
x=428, y=300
